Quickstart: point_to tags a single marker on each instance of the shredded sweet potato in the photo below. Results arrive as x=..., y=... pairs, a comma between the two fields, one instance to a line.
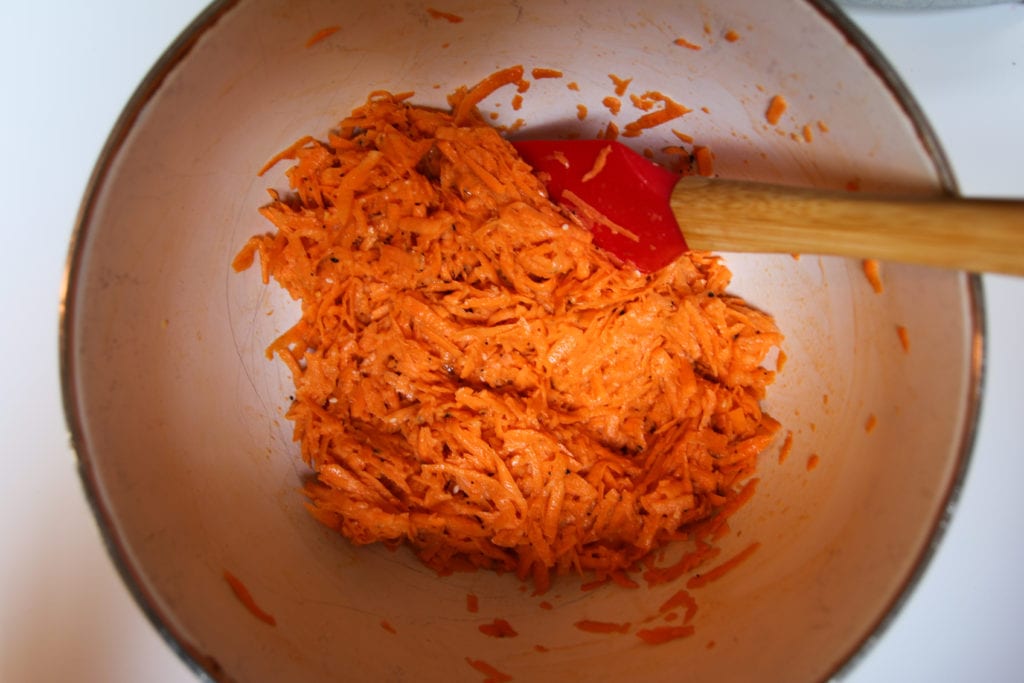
x=475, y=378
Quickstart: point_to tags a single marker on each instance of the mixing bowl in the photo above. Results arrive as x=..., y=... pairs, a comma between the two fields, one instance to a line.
x=178, y=417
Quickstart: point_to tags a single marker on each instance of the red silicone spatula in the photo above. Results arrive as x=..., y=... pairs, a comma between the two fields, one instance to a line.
x=635, y=209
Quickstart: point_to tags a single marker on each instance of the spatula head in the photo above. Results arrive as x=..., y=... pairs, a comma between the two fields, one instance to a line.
x=619, y=195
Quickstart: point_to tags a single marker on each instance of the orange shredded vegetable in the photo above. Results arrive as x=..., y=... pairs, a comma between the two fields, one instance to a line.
x=493, y=675
x=599, y=163
x=683, y=42
x=594, y=217
x=663, y=634
x=776, y=108
x=873, y=273
x=386, y=625
x=870, y=423
x=592, y=626
x=322, y=34
x=732, y=36
x=621, y=84
x=812, y=461
x=705, y=162
x=787, y=447
x=614, y=104
x=472, y=603
x=681, y=598
x=447, y=16
x=904, y=337
x=672, y=110
x=724, y=568
x=541, y=72
x=499, y=628
x=245, y=597
x=475, y=378
x=683, y=137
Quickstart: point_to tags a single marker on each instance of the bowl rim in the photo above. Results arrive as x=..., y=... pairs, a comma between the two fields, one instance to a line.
x=204, y=666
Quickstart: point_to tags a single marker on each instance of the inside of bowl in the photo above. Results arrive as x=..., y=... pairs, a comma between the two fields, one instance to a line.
x=179, y=415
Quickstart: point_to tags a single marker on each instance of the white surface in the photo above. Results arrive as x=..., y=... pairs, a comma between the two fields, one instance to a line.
x=64, y=614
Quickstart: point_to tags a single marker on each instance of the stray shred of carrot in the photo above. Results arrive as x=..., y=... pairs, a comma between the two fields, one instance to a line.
x=904, y=337
x=699, y=580
x=288, y=152
x=447, y=16
x=472, y=603
x=614, y=104
x=499, y=628
x=611, y=131
x=683, y=42
x=544, y=604
x=517, y=102
x=663, y=634
x=686, y=564
x=573, y=85
x=541, y=648
x=245, y=597
x=599, y=164
x=581, y=111
x=776, y=108
x=640, y=102
x=787, y=447
x=822, y=127
x=541, y=72
x=812, y=461
x=683, y=137
x=493, y=674
x=870, y=423
x=369, y=228
x=467, y=100
x=322, y=34
x=807, y=133
x=705, y=162
x=670, y=111
x=621, y=84
x=623, y=580
x=732, y=36
x=873, y=273
x=591, y=216
x=594, y=626
x=386, y=625
x=681, y=598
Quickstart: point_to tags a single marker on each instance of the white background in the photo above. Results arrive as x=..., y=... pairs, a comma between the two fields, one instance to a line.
x=64, y=614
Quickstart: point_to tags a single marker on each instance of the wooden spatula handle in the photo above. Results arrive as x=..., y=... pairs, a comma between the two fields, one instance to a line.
x=727, y=215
